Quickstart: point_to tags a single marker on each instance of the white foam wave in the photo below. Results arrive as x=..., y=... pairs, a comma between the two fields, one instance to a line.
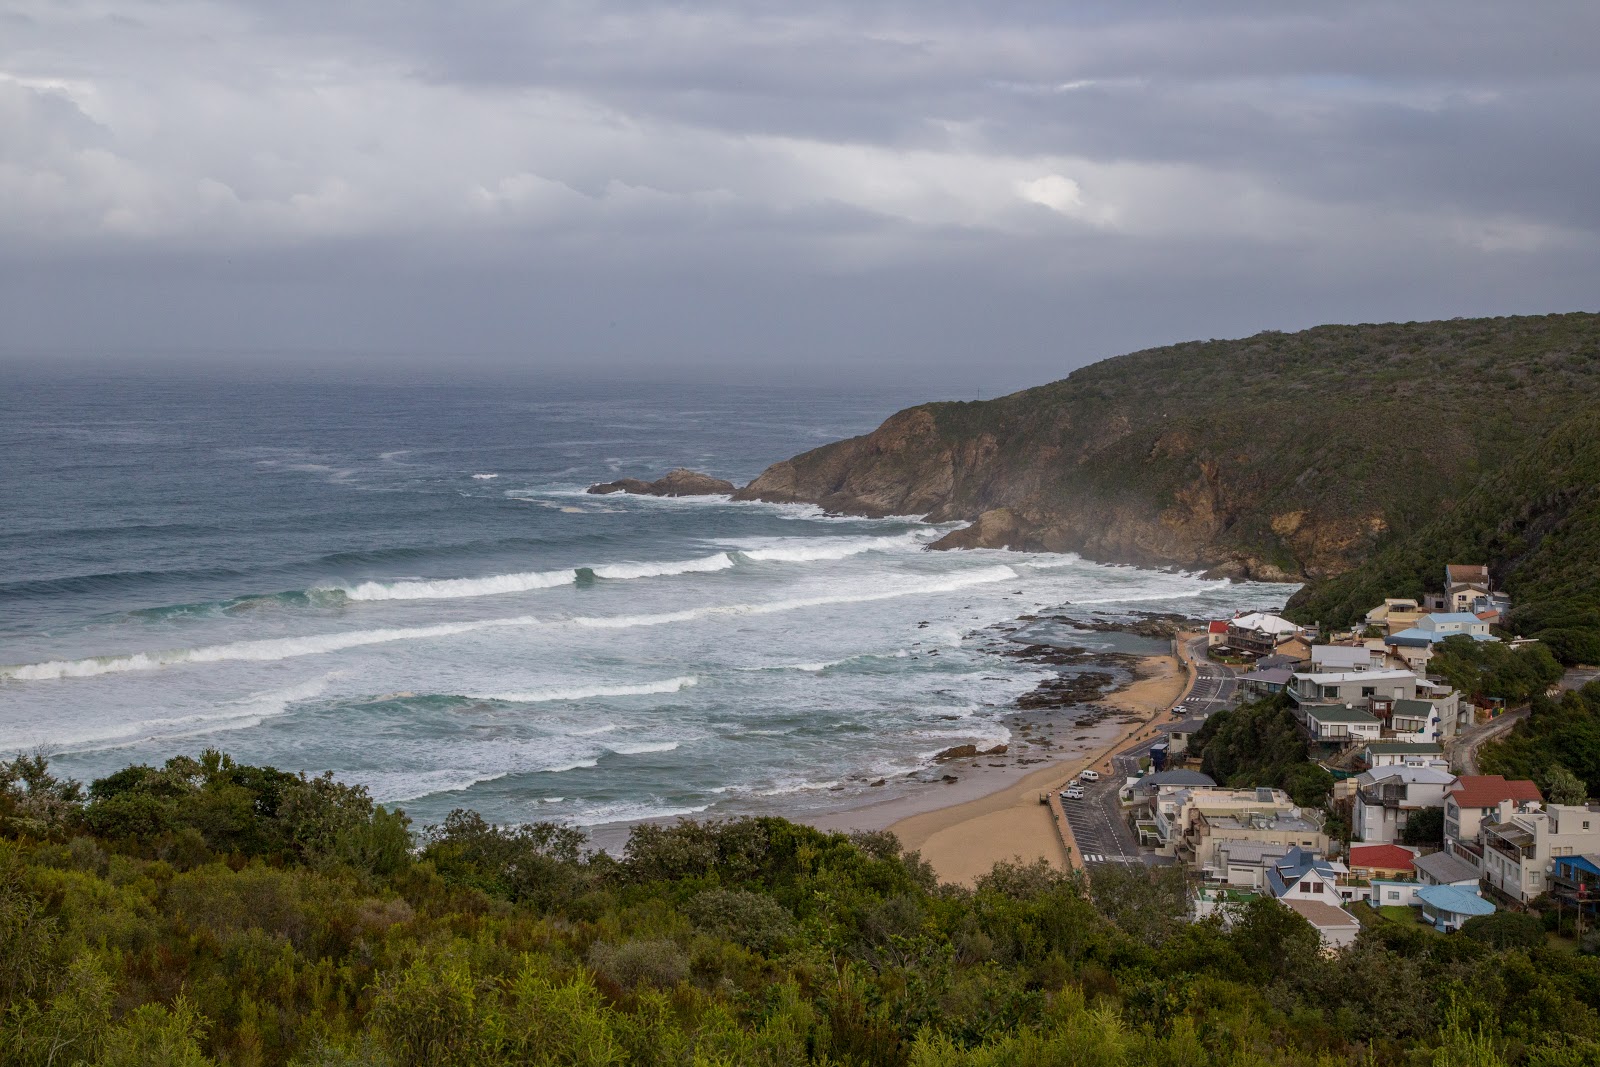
x=643, y=747
x=614, y=813
x=820, y=549
x=276, y=648
x=279, y=648
x=666, y=685
x=484, y=477
x=719, y=561
x=241, y=714
x=979, y=576
x=451, y=588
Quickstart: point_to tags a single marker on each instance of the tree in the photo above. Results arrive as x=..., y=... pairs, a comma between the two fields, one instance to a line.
x=1424, y=827
x=1565, y=787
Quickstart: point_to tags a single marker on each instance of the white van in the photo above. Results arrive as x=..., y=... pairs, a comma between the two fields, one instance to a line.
x=1089, y=776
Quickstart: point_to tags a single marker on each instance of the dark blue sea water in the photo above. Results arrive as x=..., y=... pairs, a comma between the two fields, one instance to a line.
x=405, y=584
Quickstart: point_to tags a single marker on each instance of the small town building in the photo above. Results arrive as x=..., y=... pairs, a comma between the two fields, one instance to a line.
x=1387, y=798
x=1259, y=633
x=1335, y=658
x=1473, y=800
x=1395, y=613
x=1336, y=927
x=1403, y=754
x=1265, y=682
x=1447, y=907
x=1575, y=882
x=1521, y=841
x=1381, y=861
x=1350, y=687
x=1337, y=725
x=1441, y=868
x=1216, y=633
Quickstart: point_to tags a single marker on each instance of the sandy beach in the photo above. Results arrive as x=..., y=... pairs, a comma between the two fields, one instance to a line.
x=964, y=832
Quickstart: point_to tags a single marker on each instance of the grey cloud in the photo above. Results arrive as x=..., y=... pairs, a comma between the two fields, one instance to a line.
x=889, y=185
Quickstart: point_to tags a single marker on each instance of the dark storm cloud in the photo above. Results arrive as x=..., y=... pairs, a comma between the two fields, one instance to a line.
x=869, y=186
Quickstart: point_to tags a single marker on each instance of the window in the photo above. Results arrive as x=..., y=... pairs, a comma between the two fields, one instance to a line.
x=1586, y=824
x=1369, y=690
x=1393, y=894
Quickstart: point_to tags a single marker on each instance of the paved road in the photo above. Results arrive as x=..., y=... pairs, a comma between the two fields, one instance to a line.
x=1578, y=677
x=1098, y=826
x=1462, y=749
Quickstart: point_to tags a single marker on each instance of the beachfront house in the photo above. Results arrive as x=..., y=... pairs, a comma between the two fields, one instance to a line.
x=1259, y=633
x=1387, y=798
x=1471, y=801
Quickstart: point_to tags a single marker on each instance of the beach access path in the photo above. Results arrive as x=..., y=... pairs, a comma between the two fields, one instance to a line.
x=966, y=840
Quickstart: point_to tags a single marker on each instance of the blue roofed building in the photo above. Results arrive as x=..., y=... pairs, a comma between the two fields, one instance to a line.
x=1575, y=881
x=1447, y=907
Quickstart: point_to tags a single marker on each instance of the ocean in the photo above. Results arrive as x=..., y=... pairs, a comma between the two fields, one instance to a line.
x=407, y=585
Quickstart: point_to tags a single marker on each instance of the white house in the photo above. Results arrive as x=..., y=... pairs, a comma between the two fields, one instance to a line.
x=1339, y=724
x=1352, y=686
x=1332, y=659
x=1387, y=797
x=1521, y=841
x=1395, y=753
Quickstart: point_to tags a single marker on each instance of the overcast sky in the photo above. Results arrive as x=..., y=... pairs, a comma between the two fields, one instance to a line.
x=981, y=193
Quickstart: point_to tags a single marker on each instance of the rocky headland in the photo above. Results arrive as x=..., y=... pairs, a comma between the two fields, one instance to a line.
x=678, y=482
x=1278, y=457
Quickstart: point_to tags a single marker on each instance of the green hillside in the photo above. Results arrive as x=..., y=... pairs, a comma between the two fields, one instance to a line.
x=1535, y=520
x=203, y=913
x=1288, y=456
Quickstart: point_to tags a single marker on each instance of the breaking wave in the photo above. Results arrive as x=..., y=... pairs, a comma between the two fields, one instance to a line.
x=981, y=576
x=268, y=649
x=540, y=696
x=719, y=561
x=290, y=647
x=454, y=588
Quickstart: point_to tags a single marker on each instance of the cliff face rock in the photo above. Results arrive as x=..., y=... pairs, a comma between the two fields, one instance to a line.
x=1281, y=457
x=678, y=482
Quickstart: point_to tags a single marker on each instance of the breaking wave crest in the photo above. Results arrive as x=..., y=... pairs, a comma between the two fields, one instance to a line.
x=821, y=549
x=719, y=561
x=981, y=576
x=453, y=588
x=290, y=647
x=539, y=696
x=254, y=651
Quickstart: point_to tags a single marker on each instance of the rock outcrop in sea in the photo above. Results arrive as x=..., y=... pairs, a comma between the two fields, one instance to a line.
x=678, y=482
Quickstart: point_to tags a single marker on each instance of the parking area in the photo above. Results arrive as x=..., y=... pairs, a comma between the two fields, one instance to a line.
x=1097, y=822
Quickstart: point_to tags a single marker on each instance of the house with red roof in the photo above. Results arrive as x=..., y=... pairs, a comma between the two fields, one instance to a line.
x=1381, y=861
x=1473, y=799
x=1216, y=633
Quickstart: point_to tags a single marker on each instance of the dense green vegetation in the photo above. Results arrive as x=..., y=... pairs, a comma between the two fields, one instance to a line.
x=1494, y=669
x=1557, y=746
x=208, y=913
x=1259, y=743
x=1535, y=521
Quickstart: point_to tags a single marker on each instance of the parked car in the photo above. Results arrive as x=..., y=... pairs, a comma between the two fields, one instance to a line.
x=1075, y=793
x=1089, y=776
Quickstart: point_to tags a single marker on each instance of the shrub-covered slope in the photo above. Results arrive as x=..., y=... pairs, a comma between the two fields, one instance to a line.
x=1535, y=521
x=1286, y=456
x=206, y=913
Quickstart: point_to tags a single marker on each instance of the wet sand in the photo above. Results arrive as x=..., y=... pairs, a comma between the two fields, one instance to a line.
x=994, y=814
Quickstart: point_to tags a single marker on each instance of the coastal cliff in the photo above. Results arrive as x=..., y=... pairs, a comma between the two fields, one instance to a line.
x=1288, y=457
